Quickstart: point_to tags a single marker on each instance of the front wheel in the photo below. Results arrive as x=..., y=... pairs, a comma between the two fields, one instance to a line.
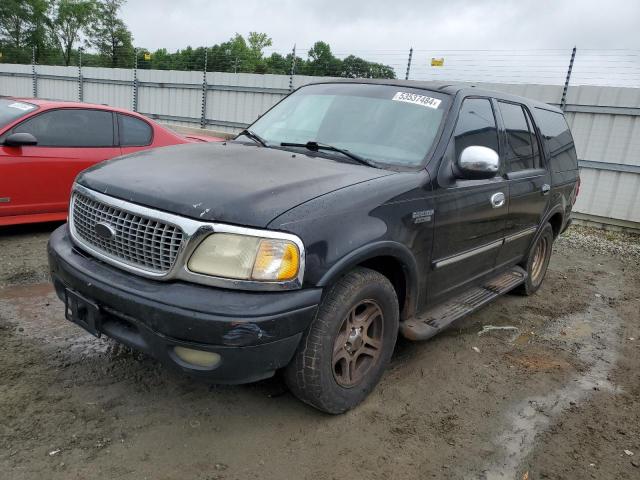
x=537, y=262
x=343, y=354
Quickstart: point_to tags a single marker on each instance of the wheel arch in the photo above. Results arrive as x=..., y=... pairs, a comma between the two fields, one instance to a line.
x=555, y=217
x=393, y=260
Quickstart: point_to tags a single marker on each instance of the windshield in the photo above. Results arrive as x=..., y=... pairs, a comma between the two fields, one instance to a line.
x=387, y=124
x=11, y=110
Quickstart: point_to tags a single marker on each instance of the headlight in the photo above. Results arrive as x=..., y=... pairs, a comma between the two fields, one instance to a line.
x=243, y=257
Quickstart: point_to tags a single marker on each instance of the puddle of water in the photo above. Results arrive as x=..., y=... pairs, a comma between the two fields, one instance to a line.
x=25, y=291
x=595, y=334
x=522, y=339
x=37, y=313
x=538, y=362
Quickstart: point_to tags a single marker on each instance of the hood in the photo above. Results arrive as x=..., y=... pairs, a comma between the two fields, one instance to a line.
x=228, y=182
x=190, y=137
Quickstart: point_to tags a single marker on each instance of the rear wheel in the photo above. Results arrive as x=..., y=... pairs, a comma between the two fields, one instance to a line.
x=537, y=262
x=343, y=354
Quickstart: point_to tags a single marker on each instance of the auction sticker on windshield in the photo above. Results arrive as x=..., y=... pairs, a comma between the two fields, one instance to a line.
x=21, y=106
x=416, y=99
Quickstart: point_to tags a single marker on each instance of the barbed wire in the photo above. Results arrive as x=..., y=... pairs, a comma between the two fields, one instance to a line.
x=608, y=67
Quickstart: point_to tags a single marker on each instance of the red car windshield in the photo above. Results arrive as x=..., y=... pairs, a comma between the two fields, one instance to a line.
x=11, y=110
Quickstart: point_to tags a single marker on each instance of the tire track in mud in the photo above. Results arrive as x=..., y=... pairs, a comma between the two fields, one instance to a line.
x=594, y=334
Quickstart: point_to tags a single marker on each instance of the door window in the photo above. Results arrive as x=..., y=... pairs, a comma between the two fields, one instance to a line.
x=476, y=125
x=522, y=152
x=557, y=136
x=133, y=131
x=537, y=158
x=71, y=127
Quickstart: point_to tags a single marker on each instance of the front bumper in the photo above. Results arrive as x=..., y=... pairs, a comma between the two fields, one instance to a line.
x=255, y=333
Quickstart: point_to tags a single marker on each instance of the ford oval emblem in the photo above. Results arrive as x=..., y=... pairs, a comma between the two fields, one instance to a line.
x=105, y=231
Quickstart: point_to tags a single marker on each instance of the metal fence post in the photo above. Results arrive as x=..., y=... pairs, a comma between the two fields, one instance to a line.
x=135, y=80
x=34, y=74
x=293, y=67
x=80, y=81
x=563, y=100
x=203, y=113
x=406, y=77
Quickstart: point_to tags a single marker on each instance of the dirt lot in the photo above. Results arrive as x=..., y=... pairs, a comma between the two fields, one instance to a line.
x=557, y=398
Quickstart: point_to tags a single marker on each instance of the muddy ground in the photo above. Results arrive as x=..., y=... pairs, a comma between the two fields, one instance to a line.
x=557, y=398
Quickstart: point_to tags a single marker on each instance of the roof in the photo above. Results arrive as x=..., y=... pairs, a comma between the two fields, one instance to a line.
x=51, y=103
x=427, y=85
x=449, y=88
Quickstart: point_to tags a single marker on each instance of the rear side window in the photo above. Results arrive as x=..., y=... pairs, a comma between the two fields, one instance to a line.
x=522, y=145
x=476, y=125
x=133, y=131
x=558, y=139
x=11, y=110
x=72, y=127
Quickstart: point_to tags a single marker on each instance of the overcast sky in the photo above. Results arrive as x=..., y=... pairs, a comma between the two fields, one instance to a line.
x=349, y=25
x=383, y=30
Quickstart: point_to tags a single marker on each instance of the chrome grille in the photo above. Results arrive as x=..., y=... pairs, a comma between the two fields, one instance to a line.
x=138, y=241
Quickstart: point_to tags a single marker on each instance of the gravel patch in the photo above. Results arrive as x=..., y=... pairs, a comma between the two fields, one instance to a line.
x=625, y=246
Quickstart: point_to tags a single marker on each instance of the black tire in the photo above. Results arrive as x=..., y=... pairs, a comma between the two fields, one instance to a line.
x=312, y=375
x=536, y=271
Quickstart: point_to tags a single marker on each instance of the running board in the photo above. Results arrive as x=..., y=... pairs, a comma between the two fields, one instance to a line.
x=441, y=316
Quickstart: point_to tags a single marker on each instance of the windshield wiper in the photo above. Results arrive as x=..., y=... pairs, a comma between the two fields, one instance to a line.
x=315, y=146
x=253, y=136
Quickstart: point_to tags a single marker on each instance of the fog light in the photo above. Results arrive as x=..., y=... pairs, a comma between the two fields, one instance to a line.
x=199, y=358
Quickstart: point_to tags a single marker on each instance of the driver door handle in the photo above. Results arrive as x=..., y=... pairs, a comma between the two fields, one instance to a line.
x=497, y=200
x=546, y=188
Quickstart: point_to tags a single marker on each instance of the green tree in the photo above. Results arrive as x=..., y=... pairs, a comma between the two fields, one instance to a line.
x=322, y=62
x=39, y=34
x=110, y=35
x=25, y=24
x=71, y=19
x=14, y=22
x=258, y=42
x=356, y=67
x=237, y=52
x=277, y=64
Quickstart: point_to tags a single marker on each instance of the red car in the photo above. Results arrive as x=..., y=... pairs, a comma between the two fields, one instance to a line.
x=44, y=144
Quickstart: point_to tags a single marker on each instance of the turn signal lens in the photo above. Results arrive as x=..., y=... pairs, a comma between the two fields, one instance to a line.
x=276, y=260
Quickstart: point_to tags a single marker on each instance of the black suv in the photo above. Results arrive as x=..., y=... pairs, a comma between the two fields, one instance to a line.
x=347, y=213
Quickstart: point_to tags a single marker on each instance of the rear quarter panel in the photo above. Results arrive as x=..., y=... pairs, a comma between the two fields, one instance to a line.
x=562, y=162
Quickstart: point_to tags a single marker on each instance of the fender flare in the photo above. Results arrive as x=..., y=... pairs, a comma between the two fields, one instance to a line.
x=379, y=249
x=545, y=220
x=555, y=209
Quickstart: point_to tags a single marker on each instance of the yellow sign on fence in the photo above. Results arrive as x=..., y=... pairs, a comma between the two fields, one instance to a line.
x=147, y=56
x=437, y=62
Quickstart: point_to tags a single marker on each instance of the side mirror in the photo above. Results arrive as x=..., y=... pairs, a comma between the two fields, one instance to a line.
x=478, y=162
x=20, y=140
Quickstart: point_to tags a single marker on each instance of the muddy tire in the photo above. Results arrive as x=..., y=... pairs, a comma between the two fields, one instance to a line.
x=345, y=351
x=537, y=262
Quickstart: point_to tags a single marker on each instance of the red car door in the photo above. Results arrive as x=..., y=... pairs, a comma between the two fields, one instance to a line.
x=37, y=179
